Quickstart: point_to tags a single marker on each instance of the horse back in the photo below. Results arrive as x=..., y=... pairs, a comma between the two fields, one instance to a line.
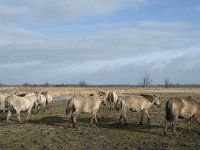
x=135, y=103
x=22, y=103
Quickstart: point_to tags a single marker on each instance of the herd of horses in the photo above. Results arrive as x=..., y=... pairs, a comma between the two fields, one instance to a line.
x=18, y=102
x=175, y=108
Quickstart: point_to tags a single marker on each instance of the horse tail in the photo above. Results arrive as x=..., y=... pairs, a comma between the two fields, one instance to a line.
x=69, y=106
x=122, y=104
x=169, y=111
x=47, y=101
x=8, y=105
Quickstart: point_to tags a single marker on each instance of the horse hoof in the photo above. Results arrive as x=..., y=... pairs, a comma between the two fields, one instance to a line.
x=119, y=126
x=92, y=125
x=174, y=134
x=73, y=126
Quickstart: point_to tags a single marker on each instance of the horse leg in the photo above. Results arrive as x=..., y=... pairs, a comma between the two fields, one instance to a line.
x=34, y=107
x=125, y=122
x=165, y=126
x=142, y=117
x=18, y=115
x=37, y=107
x=120, y=120
x=113, y=105
x=29, y=115
x=148, y=116
x=4, y=112
x=174, y=125
x=95, y=118
x=73, y=117
x=197, y=118
x=44, y=105
x=92, y=118
x=189, y=123
x=8, y=115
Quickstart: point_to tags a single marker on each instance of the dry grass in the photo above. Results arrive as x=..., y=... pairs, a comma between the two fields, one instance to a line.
x=57, y=91
x=52, y=130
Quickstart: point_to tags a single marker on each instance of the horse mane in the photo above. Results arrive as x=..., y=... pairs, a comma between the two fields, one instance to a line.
x=148, y=97
x=44, y=92
x=21, y=95
x=91, y=95
x=190, y=98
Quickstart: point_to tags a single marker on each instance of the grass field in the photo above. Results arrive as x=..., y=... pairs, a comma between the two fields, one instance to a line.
x=53, y=130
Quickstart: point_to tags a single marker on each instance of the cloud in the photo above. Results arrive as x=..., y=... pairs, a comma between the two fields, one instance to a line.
x=65, y=9
x=113, y=53
x=158, y=25
x=114, y=71
x=7, y=11
x=19, y=65
x=97, y=41
x=13, y=31
x=121, y=41
x=126, y=38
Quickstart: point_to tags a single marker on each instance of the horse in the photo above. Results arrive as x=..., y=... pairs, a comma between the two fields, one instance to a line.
x=181, y=108
x=112, y=99
x=2, y=102
x=20, y=103
x=135, y=103
x=48, y=98
x=41, y=101
x=85, y=103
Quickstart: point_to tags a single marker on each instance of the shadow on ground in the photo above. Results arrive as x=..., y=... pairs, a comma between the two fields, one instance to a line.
x=50, y=120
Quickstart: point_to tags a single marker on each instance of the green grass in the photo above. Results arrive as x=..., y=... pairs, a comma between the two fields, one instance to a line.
x=53, y=130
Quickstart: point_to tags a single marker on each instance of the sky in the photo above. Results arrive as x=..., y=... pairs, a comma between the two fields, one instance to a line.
x=99, y=41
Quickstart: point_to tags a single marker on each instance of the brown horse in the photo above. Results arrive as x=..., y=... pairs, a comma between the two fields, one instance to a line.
x=181, y=108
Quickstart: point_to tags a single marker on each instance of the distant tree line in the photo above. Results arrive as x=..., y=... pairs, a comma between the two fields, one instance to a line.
x=144, y=81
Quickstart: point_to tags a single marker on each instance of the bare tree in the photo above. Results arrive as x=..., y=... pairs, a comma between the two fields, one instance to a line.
x=82, y=83
x=145, y=80
x=167, y=82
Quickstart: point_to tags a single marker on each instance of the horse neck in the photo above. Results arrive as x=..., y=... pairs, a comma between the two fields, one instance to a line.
x=99, y=99
x=150, y=103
